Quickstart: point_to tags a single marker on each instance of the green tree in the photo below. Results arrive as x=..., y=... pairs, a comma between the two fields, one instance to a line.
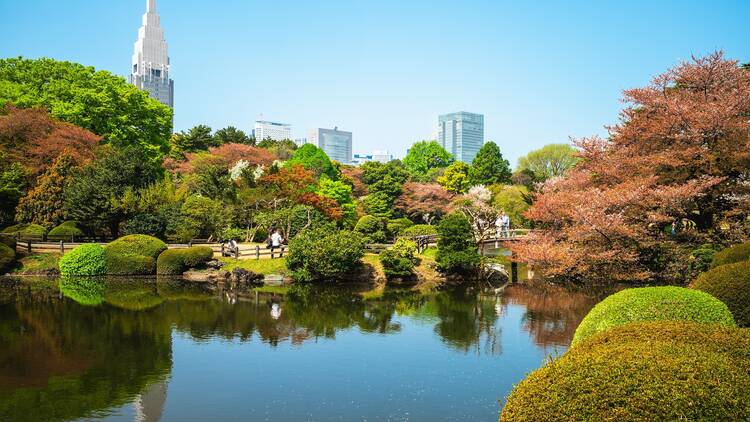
x=202, y=218
x=489, y=166
x=198, y=138
x=514, y=200
x=549, y=161
x=95, y=193
x=457, y=252
x=385, y=183
x=232, y=135
x=424, y=156
x=95, y=100
x=283, y=150
x=342, y=194
x=44, y=205
x=209, y=176
x=456, y=178
x=12, y=185
x=314, y=159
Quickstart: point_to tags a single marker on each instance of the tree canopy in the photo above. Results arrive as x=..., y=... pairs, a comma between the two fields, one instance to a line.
x=424, y=156
x=232, y=135
x=549, y=161
x=314, y=159
x=489, y=166
x=95, y=100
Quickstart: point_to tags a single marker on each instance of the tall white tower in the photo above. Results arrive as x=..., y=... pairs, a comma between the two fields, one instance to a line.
x=150, y=70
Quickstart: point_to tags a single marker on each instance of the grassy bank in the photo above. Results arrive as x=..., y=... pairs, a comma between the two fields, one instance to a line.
x=260, y=266
x=36, y=264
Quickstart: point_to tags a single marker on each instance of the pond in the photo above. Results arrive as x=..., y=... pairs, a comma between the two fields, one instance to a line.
x=155, y=350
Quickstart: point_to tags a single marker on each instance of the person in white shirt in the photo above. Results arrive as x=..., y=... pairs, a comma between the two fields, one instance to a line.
x=276, y=240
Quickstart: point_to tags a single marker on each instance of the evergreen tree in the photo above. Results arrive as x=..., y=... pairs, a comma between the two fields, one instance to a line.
x=489, y=166
x=232, y=135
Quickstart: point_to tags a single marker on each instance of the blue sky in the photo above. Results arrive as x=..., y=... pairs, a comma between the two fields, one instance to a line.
x=385, y=69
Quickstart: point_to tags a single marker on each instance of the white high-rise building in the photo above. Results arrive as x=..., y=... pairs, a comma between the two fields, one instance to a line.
x=276, y=131
x=461, y=134
x=335, y=143
x=150, y=65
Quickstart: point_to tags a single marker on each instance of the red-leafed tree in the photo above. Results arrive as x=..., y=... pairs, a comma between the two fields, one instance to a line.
x=298, y=185
x=353, y=176
x=681, y=153
x=34, y=139
x=228, y=154
x=424, y=200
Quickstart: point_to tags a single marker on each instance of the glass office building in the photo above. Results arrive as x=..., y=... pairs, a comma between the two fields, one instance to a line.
x=461, y=134
x=336, y=143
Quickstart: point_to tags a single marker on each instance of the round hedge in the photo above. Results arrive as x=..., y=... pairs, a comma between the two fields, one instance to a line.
x=654, y=371
x=130, y=264
x=731, y=284
x=8, y=241
x=7, y=256
x=137, y=244
x=31, y=230
x=177, y=261
x=65, y=230
x=85, y=260
x=666, y=303
x=732, y=254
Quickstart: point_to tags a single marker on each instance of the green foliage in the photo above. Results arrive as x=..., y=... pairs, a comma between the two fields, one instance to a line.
x=96, y=193
x=85, y=260
x=456, y=178
x=729, y=283
x=127, y=264
x=378, y=204
x=553, y=160
x=7, y=257
x=87, y=291
x=514, y=200
x=232, y=135
x=457, y=252
x=177, y=261
x=424, y=156
x=666, y=303
x=210, y=177
x=8, y=240
x=12, y=186
x=29, y=230
x=314, y=159
x=98, y=101
x=323, y=254
x=701, y=258
x=732, y=254
x=397, y=226
x=372, y=228
x=342, y=194
x=148, y=224
x=232, y=233
x=197, y=138
x=658, y=371
x=137, y=244
x=201, y=218
x=44, y=204
x=489, y=166
x=65, y=231
x=399, y=261
x=419, y=230
x=281, y=149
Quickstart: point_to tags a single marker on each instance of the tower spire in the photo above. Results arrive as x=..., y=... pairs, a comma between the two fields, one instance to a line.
x=150, y=6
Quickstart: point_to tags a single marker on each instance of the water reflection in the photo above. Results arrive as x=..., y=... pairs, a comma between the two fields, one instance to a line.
x=82, y=347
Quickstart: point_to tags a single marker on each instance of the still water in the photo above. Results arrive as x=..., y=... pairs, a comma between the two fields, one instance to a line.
x=146, y=350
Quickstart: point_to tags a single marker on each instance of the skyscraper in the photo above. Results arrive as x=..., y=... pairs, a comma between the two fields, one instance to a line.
x=461, y=134
x=150, y=71
x=335, y=143
x=275, y=131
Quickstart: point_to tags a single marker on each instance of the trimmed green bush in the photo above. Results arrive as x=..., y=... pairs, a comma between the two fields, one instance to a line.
x=457, y=251
x=7, y=256
x=701, y=258
x=657, y=371
x=177, y=261
x=130, y=264
x=732, y=254
x=8, y=241
x=419, y=230
x=85, y=260
x=397, y=226
x=137, y=244
x=399, y=261
x=65, y=231
x=325, y=254
x=372, y=228
x=731, y=284
x=31, y=230
x=666, y=303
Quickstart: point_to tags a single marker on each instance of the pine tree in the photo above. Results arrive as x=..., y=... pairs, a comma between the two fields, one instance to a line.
x=489, y=166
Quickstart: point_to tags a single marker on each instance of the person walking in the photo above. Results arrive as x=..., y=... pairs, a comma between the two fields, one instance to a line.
x=505, y=224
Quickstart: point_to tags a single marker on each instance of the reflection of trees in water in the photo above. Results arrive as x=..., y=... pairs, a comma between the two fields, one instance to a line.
x=552, y=312
x=61, y=360
x=467, y=322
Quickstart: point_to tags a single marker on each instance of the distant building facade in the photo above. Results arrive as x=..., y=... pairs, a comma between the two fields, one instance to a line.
x=150, y=62
x=377, y=156
x=276, y=131
x=337, y=144
x=461, y=134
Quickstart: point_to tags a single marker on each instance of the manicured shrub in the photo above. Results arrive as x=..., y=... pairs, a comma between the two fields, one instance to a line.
x=7, y=256
x=324, y=254
x=457, y=252
x=65, y=231
x=732, y=254
x=701, y=258
x=372, y=228
x=177, y=261
x=137, y=244
x=118, y=264
x=88, y=291
x=657, y=371
x=30, y=230
x=397, y=226
x=399, y=261
x=8, y=241
x=419, y=230
x=85, y=260
x=731, y=284
x=666, y=303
